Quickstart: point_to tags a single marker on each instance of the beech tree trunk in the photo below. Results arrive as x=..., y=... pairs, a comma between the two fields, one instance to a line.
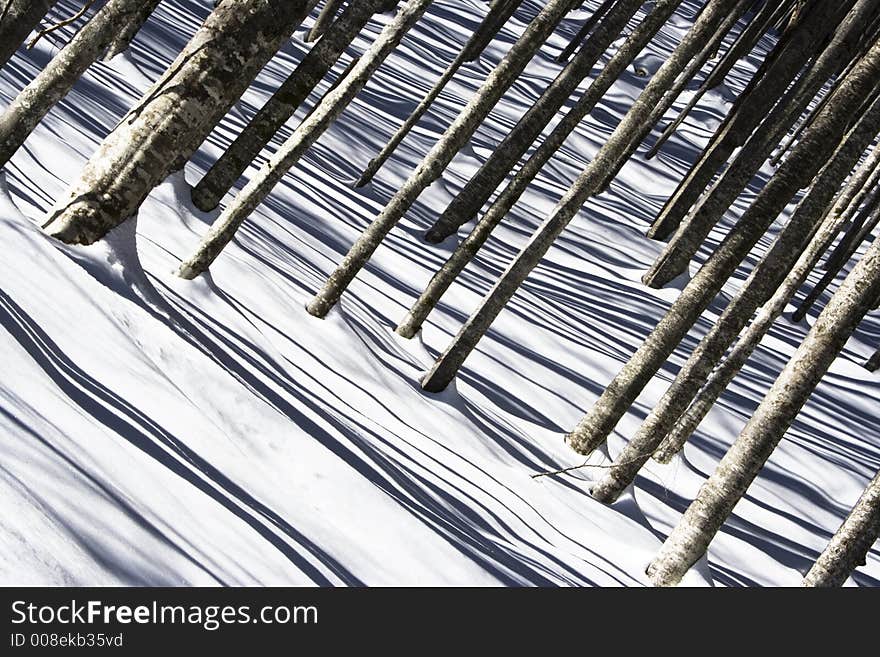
x=468, y=248
x=18, y=19
x=312, y=127
x=324, y=20
x=229, y=167
x=737, y=470
x=585, y=30
x=849, y=547
x=123, y=40
x=619, y=145
x=752, y=108
x=798, y=170
x=55, y=81
x=760, y=286
x=174, y=116
x=498, y=15
x=434, y=163
x=494, y=170
x=873, y=363
x=687, y=240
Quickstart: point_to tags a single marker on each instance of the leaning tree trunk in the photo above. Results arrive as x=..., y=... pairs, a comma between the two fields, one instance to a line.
x=175, y=116
x=848, y=548
x=749, y=340
x=873, y=363
x=854, y=234
x=747, y=114
x=123, y=40
x=585, y=30
x=737, y=470
x=18, y=18
x=220, y=178
x=441, y=154
x=760, y=286
x=479, y=188
x=676, y=255
x=325, y=19
x=798, y=170
x=620, y=145
x=468, y=248
x=306, y=134
x=498, y=15
x=57, y=79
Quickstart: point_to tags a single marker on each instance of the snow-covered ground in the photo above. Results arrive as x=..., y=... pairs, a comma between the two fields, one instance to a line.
x=158, y=431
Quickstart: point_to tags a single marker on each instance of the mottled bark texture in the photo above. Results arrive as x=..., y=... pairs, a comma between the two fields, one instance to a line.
x=585, y=30
x=743, y=45
x=619, y=145
x=687, y=240
x=848, y=548
x=719, y=495
x=312, y=127
x=469, y=247
x=174, y=116
x=19, y=18
x=747, y=114
x=54, y=82
x=223, y=174
x=441, y=154
x=123, y=40
x=873, y=363
x=494, y=170
x=818, y=145
x=495, y=19
x=759, y=287
x=325, y=19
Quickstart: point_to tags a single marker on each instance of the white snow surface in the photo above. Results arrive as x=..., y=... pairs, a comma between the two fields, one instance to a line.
x=163, y=432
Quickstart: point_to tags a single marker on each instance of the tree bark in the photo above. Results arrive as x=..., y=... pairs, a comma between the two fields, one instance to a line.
x=224, y=228
x=873, y=363
x=325, y=19
x=229, y=167
x=719, y=495
x=585, y=30
x=816, y=147
x=19, y=18
x=498, y=15
x=467, y=203
x=758, y=289
x=748, y=113
x=123, y=40
x=619, y=145
x=468, y=248
x=56, y=80
x=676, y=255
x=174, y=117
x=434, y=163
x=848, y=548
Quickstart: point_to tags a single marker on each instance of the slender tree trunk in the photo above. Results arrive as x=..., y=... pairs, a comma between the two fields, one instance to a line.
x=816, y=147
x=494, y=170
x=674, y=258
x=751, y=109
x=434, y=163
x=873, y=363
x=719, y=495
x=851, y=244
x=619, y=145
x=224, y=228
x=500, y=12
x=175, y=116
x=498, y=15
x=18, y=18
x=854, y=234
x=325, y=19
x=469, y=247
x=123, y=40
x=56, y=80
x=749, y=340
x=585, y=30
x=229, y=167
x=758, y=289
x=848, y=548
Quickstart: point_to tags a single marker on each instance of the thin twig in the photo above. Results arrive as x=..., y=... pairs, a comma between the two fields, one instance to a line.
x=58, y=26
x=602, y=466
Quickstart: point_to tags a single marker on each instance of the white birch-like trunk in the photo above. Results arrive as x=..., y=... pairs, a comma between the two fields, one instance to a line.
x=174, y=116
x=737, y=470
